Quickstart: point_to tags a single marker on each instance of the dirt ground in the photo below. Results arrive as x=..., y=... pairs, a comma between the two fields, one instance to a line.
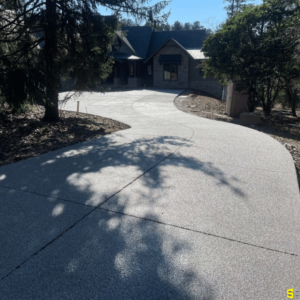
x=25, y=136
x=281, y=125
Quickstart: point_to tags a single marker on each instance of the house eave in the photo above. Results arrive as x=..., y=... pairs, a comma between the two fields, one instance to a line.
x=166, y=41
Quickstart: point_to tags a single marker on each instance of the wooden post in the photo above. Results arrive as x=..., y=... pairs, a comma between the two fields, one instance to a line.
x=77, y=107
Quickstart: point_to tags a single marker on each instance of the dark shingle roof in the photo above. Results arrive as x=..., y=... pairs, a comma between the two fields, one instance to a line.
x=139, y=37
x=189, y=39
x=123, y=37
x=146, y=42
x=119, y=56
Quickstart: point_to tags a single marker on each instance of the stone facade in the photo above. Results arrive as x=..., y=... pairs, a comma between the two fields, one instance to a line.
x=134, y=82
x=183, y=69
x=117, y=82
x=197, y=82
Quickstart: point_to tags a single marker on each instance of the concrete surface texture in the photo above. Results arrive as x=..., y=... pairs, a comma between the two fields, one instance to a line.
x=176, y=207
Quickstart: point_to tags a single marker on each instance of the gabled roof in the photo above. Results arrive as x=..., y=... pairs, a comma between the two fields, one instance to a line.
x=139, y=37
x=144, y=42
x=165, y=42
x=124, y=38
x=189, y=40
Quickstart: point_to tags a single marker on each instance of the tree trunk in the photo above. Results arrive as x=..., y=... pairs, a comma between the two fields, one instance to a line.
x=267, y=110
x=294, y=102
x=267, y=99
x=267, y=106
x=251, y=106
x=252, y=103
x=51, y=106
x=52, y=74
x=291, y=97
x=265, y=103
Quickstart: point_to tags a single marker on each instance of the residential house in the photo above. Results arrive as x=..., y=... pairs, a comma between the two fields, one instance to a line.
x=161, y=59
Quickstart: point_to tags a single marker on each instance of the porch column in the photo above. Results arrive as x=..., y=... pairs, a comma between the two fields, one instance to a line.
x=117, y=80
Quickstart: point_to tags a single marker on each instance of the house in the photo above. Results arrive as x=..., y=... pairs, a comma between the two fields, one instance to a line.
x=161, y=59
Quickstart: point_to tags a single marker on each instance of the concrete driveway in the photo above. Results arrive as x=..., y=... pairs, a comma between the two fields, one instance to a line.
x=177, y=207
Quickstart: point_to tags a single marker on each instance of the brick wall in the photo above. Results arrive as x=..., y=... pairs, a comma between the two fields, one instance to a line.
x=183, y=69
x=134, y=82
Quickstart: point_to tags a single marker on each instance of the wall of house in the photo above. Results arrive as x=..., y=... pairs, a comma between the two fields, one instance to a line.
x=197, y=82
x=183, y=69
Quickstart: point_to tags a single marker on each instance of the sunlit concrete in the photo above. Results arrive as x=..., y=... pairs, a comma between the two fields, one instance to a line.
x=176, y=207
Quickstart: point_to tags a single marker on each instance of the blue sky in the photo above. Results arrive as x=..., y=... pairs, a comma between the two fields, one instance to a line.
x=206, y=11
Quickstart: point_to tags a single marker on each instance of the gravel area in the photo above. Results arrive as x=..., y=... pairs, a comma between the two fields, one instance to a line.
x=281, y=125
x=25, y=135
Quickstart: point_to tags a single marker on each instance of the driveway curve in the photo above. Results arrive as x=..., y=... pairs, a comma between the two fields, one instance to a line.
x=176, y=207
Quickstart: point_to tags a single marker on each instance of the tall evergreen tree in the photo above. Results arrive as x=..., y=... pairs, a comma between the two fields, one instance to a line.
x=127, y=22
x=187, y=26
x=177, y=26
x=259, y=49
x=56, y=37
x=197, y=26
x=234, y=6
x=167, y=27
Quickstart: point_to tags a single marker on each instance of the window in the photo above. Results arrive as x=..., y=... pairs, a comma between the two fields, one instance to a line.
x=149, y=70
x=131, y=69
x=171, y=72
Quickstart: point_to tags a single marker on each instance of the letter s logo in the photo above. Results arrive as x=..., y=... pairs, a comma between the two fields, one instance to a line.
x=290, y=293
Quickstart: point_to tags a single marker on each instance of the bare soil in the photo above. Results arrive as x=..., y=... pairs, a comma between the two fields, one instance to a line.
x=23, y=136
x=281, y=125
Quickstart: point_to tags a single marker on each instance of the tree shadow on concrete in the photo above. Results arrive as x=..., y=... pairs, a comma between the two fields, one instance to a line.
x=103, y=254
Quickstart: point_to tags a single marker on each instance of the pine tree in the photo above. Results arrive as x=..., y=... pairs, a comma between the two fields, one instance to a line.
x=187, y=26
x=197, y=26
x=177, y=26
x=234, y=6
x=50, y=38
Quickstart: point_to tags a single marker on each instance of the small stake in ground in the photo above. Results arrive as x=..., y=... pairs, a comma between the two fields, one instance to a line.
x=77, y=107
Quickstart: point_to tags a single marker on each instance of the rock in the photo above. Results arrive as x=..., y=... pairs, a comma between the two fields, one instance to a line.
x=289, y=146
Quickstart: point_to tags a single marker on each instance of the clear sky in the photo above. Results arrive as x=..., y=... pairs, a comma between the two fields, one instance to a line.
x=205, y=11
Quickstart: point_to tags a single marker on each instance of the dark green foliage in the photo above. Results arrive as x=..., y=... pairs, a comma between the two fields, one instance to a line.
x=177, y=26
x=187, y=26
x=128, y=22
x=52, y=39
x=258, y=49
x=197, y=26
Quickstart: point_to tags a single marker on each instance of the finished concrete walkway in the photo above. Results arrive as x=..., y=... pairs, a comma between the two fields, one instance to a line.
x=177, y=207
